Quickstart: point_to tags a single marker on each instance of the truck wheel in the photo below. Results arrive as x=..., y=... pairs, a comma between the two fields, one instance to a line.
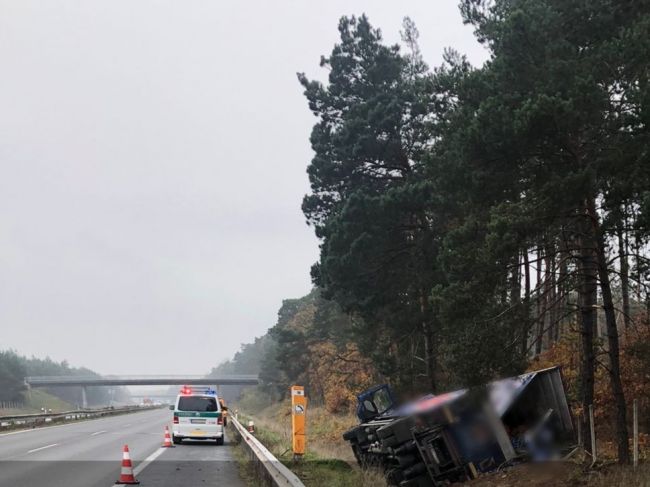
x=176, y=440
x=220, y=441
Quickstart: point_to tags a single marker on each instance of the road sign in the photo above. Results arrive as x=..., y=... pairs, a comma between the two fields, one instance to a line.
x=298, y=413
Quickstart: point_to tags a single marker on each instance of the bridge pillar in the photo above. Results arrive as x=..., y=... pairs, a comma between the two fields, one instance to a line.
x=84, y=397
x=28, y=388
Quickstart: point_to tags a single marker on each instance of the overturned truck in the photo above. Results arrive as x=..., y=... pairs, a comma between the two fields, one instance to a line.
x=453, y=437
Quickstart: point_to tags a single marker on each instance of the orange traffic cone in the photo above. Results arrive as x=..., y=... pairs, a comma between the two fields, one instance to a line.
x=126, y=476
x=168, y=440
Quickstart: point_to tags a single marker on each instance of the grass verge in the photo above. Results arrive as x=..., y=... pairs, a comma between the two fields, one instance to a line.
x=37, y=399
x=246, y=470
x=328, y=460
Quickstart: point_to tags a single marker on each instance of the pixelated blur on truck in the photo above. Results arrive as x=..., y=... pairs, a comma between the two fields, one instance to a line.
x=454, y=437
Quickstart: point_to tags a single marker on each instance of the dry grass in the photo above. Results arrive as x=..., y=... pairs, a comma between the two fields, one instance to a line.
x=324, y=430
x=566, y=475
x=329, y=460
x=616, y=475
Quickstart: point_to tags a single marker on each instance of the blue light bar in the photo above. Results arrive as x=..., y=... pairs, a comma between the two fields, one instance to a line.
x=208, y=391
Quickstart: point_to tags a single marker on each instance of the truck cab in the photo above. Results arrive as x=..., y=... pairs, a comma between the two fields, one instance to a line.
x=374, y=402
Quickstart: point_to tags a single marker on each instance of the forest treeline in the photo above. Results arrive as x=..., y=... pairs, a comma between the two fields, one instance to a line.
x=311, y=344
x=471, y=218
x=14, y=368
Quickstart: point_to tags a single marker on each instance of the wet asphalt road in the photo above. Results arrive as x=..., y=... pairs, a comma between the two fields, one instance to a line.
x=89, y=454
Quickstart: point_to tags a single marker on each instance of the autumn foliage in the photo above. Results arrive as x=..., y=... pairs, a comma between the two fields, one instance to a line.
x=310, y=352
x=338, y=375
x=635, y=373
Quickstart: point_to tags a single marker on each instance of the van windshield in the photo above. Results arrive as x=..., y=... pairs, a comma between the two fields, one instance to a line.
x=197, y=403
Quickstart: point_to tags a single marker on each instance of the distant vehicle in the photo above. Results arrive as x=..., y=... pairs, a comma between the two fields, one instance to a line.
x=197, y=416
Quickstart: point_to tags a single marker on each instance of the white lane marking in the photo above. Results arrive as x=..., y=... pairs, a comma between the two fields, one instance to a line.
x=145, y=463
x=98, y=433
x=42, y=448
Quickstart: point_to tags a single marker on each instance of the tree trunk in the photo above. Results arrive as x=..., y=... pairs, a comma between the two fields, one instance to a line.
x=548, y=297
x=526, y=319
x=412, y=369
x=612, y=337
x=562, y=287
x=587, y=304
x=636, y=245
x=625, y=281
x=540, y=304
x=429, y=345
x=515, y=287
x=555, y=302
x=515, y=280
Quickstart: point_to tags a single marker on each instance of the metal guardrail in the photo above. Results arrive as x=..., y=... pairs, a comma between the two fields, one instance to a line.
x=269, y=469
x=39, y=419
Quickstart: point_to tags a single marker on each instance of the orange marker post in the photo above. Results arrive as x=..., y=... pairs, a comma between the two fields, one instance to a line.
x=298, y=413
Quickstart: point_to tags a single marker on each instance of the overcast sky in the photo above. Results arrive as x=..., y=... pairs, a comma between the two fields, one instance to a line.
x=152, y=166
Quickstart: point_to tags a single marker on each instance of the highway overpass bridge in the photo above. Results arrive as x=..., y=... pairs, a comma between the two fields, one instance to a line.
x=137, y=380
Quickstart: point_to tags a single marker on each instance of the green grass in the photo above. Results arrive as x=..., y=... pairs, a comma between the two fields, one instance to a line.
x=246, y=470
x=37, y=399
x=314, y=469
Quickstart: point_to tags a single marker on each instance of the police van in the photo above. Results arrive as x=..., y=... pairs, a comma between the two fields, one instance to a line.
x=198, y=415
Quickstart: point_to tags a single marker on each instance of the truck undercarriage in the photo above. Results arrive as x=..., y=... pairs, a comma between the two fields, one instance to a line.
x=437, y=440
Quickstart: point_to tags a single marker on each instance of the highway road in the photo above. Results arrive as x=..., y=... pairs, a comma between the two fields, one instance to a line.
x=89, y=454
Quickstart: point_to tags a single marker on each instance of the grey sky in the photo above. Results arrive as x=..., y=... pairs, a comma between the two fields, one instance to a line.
x=152, y=165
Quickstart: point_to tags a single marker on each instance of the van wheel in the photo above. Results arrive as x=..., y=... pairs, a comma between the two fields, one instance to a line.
x=176, y=440
x=220, y=441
